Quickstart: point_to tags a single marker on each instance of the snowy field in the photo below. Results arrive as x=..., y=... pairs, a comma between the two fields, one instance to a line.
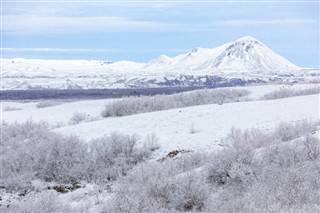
x=62, y=111
x=209, y=122
x=194, y=129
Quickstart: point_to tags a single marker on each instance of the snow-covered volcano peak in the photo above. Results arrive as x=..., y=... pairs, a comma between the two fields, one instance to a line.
x=248, y=39
x=249, y=54
x=242, y=48
x=194, y=50
x=246, y=54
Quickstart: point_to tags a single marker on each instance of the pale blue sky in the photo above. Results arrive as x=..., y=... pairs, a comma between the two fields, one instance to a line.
x=142, y=30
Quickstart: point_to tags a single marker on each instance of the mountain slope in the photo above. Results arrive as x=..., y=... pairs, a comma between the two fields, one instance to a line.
x=246, y=54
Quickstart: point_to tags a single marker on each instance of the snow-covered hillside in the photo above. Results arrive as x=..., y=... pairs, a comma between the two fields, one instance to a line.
x=243, y=61
x=246, y=54
x=211, y=122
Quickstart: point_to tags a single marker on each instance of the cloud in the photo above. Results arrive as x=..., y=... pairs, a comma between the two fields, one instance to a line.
x=27, y=24
x=50, y=50
x=249, y=22
x=83, y=50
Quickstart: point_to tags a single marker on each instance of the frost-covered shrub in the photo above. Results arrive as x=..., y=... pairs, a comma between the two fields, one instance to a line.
x=289, y=131
x=167, y=186
x=112, y=156
x=285, y=93
x=16, y=150
x=285, y=179
x=232, y=165
x=44, y=202
x=31, y=151
x=152, y=142
x=253, y=175
x=255, y=171
x=78, y=117
x=159, y=187
x=192, y=129
x=47, y=103
x=65, y=160
x=283, y=132
x=190, y=161
x=135, y=105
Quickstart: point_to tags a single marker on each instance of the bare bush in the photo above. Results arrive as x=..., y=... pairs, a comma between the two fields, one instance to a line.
x=135, y=105
x=285, y=93
x=152, y=142
x=192, y=129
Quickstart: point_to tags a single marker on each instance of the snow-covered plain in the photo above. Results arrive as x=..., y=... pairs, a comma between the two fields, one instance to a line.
x=62, y=112
x=195, y=129
x=210, y=122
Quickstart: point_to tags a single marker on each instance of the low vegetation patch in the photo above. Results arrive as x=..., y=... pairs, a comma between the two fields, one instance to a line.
x=285, y=93
x=10, y=108
x=135, y=105
x=81, y=117
x=47, y=103
x=255, y=172
x=31, y=151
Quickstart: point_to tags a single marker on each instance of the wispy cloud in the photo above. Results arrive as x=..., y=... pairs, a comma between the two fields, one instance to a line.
x=82, y=50
x=249, y=22
x=86, y=25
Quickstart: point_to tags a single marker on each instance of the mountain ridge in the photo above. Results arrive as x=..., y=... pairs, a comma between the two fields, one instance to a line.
x=240, y=62
x=246, y=54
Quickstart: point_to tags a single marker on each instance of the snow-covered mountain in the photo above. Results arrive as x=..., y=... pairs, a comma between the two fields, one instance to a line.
x=244, y=55
x=237, y=60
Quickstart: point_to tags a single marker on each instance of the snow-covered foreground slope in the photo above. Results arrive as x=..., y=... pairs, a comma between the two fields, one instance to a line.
x=240, y=62
x=54, y=115
x=211, y=122
x=174, y=127
x=202, y=177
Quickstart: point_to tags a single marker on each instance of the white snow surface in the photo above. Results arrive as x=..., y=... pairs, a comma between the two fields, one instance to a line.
x=54, y=115
x=211, y=122
x=63, y=111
